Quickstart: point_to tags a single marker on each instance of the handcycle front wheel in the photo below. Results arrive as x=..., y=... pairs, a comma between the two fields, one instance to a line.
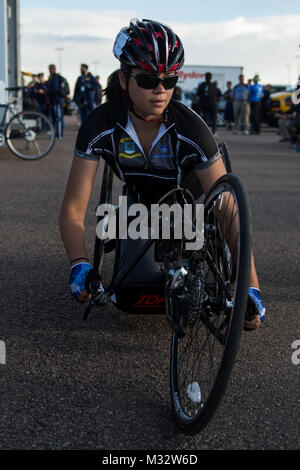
x=30, y=135
x=225, y=156
x=202, y=358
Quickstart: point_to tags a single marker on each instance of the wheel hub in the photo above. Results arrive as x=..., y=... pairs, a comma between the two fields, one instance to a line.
x=30, y=135
x=2, y=139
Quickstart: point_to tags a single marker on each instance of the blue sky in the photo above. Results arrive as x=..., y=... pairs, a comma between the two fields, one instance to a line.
x=168, y=10
x=261, y=36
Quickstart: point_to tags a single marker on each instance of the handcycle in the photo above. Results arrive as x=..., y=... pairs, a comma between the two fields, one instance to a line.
x=204, y=292
x=28, y=134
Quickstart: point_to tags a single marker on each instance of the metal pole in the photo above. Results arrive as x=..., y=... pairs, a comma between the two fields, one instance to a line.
x=3, y=46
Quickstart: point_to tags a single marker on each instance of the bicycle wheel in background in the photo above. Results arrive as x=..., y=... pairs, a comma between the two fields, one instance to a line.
x=104, y=248
x=213, y=311
x=30, y=135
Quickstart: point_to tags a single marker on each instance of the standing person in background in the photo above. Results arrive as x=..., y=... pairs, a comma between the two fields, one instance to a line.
x=56, y=101
x=98, y=91
x=33, y=81
x=207, y=95
x=240, y=106
x=218, y=92
x=265, y=102
x=31, y=91
x=177, y=95
x=85, y=90
x=218, y=99
x=228, y=113
x=26, y=101
x=41, y=94
x=256, y=92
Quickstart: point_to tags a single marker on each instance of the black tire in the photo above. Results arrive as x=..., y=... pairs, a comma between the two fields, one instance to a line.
x=225, y=156
x=103, y=260
x=202, y=360
x=30, y=135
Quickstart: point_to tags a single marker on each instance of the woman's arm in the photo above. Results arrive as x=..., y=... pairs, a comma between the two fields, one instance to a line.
x=74, y=206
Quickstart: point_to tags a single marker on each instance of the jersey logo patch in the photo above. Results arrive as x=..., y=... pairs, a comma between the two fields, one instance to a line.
x=129, y=149
x=163, y=148
x=125, y=155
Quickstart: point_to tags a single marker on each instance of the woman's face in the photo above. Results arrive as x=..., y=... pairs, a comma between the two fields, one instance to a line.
x=147, y=103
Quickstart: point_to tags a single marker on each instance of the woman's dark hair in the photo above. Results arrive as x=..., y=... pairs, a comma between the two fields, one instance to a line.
x=113, y=91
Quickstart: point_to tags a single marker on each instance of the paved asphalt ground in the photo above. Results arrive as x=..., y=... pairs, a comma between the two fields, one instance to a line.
x=104, y=384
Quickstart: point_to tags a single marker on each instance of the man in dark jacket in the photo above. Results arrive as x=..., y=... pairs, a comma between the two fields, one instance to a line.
x=56, y=100
x=85, y=92
x=207, y=94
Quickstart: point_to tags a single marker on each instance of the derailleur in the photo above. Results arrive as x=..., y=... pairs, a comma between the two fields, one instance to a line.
x=175, y=293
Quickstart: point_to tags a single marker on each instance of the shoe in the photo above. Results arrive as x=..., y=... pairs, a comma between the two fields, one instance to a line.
x=246, y=132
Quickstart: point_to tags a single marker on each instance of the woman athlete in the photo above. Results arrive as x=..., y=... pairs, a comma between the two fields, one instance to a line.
x=150, y=141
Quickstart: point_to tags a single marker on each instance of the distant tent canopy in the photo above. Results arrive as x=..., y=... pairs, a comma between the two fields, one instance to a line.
x=26, y=77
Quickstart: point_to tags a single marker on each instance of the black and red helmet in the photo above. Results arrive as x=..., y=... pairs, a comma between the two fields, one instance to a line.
x=149, y=45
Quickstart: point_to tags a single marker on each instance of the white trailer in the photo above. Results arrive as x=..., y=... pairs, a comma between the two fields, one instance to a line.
x=191, y=75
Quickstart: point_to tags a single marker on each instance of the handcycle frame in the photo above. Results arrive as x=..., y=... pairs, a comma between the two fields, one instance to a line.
x=116, y=282
x=209, y=328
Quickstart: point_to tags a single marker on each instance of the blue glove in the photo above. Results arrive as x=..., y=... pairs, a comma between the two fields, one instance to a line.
x=80, y=277
x=255, y=305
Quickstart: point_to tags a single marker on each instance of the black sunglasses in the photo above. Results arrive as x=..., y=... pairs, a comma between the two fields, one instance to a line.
x=149, y=82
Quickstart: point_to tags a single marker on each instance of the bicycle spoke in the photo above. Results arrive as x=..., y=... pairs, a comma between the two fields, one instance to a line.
x=37, y=146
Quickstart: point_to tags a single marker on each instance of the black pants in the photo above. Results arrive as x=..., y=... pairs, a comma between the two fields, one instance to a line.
x=57, y=117
x=209, y=115
x=255, y=116
x=84, y=111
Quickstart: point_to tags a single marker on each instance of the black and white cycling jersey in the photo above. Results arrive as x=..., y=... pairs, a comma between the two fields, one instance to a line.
x=184, y=142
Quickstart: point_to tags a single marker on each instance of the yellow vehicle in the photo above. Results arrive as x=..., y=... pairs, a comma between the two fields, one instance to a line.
x=279, y=102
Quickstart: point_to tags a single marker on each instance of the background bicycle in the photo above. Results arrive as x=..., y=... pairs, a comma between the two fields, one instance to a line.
x=28, y=134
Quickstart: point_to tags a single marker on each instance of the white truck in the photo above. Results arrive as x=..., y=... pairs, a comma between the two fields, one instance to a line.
x=191, y=75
